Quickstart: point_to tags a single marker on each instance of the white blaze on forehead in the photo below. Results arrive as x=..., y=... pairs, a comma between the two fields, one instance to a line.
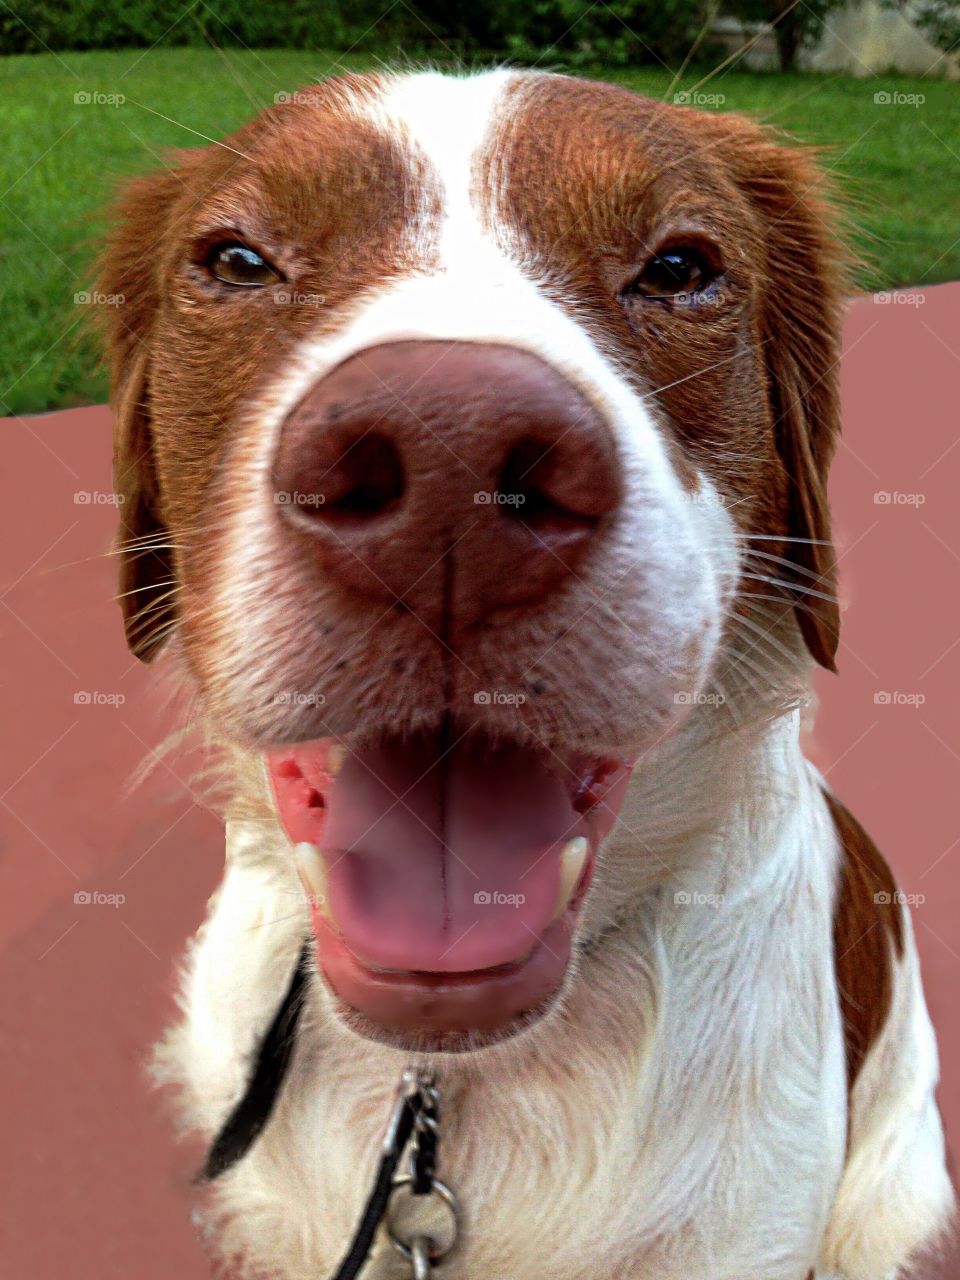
x=466, y=283
x=449, y=120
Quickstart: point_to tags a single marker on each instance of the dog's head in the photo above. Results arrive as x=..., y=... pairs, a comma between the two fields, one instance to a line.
x=461, y=423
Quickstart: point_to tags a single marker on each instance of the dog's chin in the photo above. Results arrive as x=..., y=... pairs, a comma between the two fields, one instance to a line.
x=445, y=876
x=424, y=1043
x=423, y=1012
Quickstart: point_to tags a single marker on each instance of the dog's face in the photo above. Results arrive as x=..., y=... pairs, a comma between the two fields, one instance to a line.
x=452, y=414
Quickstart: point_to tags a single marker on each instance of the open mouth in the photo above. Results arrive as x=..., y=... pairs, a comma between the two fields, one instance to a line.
x=445, y=872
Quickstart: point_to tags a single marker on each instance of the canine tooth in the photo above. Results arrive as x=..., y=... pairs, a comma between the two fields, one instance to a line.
x=312, y=871
x=335, y=758
x=573, y=856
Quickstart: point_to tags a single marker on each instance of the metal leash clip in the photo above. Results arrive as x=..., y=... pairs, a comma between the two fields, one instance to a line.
x=423, y=1251
x=415, y=1127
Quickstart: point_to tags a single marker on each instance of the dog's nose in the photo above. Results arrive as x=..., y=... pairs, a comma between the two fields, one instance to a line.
x=446, y=478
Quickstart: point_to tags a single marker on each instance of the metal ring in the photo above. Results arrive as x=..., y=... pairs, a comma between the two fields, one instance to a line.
x=435, y=1254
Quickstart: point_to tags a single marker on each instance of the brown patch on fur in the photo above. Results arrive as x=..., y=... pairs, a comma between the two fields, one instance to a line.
x=868, y=931
x=325, y=197
x=596, y=179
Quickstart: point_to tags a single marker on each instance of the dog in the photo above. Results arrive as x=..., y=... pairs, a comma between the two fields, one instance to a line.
x=473, y=436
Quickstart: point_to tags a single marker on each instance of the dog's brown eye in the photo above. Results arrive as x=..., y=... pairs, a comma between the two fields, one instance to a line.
x=239, y=264
x=677, y=274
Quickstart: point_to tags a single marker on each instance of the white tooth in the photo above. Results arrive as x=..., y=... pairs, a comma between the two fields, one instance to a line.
x=335, y=758
x=312, y=871
x=573, y=856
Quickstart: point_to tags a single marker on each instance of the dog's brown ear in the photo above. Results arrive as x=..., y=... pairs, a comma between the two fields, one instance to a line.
x=129, y=281
x=801, y=299
x=146, y=590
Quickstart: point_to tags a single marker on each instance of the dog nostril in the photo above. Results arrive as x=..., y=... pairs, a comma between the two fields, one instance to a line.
x=372, y=478
x=534, y=490
x=365, y=479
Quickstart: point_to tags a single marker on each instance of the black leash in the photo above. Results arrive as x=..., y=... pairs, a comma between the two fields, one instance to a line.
x=248, y=1118
x=414, y=1128
x=415, y=1122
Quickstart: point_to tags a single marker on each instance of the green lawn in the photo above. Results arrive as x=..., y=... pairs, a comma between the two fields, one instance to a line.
x=899, y=162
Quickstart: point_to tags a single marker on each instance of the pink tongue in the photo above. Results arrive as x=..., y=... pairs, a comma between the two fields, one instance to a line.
x=445, y=860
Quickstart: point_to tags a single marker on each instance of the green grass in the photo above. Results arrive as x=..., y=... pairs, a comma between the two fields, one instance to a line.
x=60, y=159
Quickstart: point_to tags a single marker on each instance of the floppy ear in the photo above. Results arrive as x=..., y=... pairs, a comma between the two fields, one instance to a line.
x=146, y=576
x=129, y=273
x=800, y=328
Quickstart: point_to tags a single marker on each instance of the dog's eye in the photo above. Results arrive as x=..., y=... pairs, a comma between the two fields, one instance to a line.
x=673, y=274
x=235, y=263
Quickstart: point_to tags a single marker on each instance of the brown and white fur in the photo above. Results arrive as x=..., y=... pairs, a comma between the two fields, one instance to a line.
x=738, y=1080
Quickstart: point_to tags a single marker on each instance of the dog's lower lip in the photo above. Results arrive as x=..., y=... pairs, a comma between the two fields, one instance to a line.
x=430, y=978
x=418, y=1004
